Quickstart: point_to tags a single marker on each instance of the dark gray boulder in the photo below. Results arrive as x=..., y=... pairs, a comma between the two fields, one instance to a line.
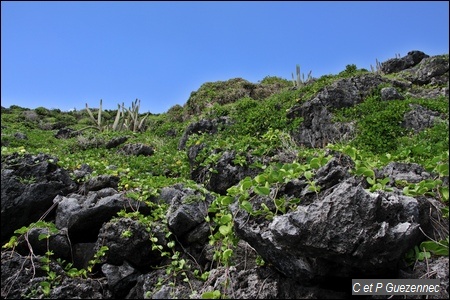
x=26, y=283
x=395, y=65
x=186, y=213
x=99, y=182
x=29, y=184
x=390, y=93
x=120, y=278
x=344, y=231
x=420, y=118
x=186, y=219
x=116, y=142
x=20, y=136
x=137, y=149
x=432, y=70
x=129, y=240
x=223, y=174
x=409, y=172
x=66, y=133
x=58, y=242
x=84, y=215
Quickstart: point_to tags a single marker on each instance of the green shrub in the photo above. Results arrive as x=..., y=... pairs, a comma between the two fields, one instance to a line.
x=42, y=111
x=425, y=145
x=66, y=119
x=255, y=117
x=269, y=80
x=175, y=113
x=379, y=127
x=217, y=110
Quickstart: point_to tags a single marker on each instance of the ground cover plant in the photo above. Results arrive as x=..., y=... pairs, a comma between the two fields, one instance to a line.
x=259, y=134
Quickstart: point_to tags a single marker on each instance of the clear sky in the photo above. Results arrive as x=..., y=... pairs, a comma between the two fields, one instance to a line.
x=65, y=54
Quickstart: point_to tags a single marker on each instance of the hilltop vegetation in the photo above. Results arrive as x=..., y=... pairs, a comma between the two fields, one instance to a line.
x=234, y=139
x=259, y=125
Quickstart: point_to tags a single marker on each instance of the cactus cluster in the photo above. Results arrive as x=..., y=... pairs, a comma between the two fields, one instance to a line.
x=126, y=118
x=300, y=80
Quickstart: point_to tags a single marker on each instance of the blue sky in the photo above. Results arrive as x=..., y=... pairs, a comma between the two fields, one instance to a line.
x=65, y=54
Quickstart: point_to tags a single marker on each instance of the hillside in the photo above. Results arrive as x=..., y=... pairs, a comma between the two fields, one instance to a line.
x=276, y=189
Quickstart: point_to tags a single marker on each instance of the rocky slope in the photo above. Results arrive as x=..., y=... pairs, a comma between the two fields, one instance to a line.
x=242, y=231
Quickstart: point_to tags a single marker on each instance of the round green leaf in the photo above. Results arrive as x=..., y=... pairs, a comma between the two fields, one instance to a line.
x=262, y=190
x=247, y=206
x=246, y=184
x=260, y=179
x=314, y=163
x=226, y=219
x=224, y=230
x=227, y=253
x=308, y=175
x=226, y=200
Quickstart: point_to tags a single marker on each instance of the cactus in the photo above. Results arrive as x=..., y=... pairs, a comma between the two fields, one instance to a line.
x=300, y=81
x=377, y=68
x=132, y=121
x=117, y=119
x=98, y=121
x=125, y=118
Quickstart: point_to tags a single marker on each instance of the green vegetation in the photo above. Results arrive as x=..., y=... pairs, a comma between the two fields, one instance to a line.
x=259, y=128
x=379, y=125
